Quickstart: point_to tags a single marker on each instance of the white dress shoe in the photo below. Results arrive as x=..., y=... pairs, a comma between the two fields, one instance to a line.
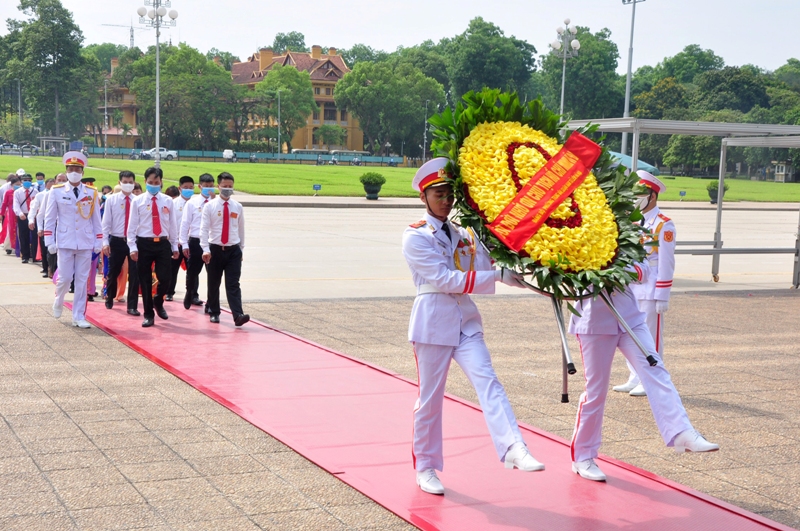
x=57, y=311
x=519, y=457
x=691, y=441
x=83, y=323
x=638, y=391
x=627, y=387
x=589, y=470
x=429, y=482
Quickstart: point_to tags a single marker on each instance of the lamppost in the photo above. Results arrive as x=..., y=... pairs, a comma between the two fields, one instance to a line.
x=105, y=119
x=387, y=146
x=156, y=16
x=628, y=82
x=563, y=47
x=425, y=132
x=280, y=146
x=19, y=106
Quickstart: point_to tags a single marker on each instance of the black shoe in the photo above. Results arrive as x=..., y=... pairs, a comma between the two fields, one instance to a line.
x=215, y=319
x=206, y=310
x=197, y=302
x=72, y=290
x=242, y=319
x=45, y=275
x=24, y=260
x=109, y=303
x=161, y=312
x=187, y=302
x=168, y=298
x=37, y=261
x=134, y=311
x=147, y=323
x=90, y=298
x=8, y=252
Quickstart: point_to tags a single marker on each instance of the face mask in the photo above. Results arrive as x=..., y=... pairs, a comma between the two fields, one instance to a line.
x=74, y=177
x=187, y=194
x=225, y=193
x=205, y=192
x=642, y=202
x=16, y=187
x=126, y=187
x=153, y=188
x=103, y=197
x=27, y=184
x=40, y=184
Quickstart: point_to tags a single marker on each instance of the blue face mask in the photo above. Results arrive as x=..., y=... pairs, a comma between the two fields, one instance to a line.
x=153, y=188
x=186, y=193
x=205, y=192
x=16, y=186
x=27, y=184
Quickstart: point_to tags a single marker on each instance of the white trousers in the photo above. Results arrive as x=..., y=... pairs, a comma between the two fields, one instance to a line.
x=433, y=363
x=655, y=323
x=74, y=262
x=597, y=351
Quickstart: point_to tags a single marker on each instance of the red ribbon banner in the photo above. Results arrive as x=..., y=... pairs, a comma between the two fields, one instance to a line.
x=551, y=185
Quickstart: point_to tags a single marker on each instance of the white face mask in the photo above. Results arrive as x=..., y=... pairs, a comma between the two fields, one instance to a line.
x=126, y=187
x=74, y=177
x=225, y=193
x=642, y=202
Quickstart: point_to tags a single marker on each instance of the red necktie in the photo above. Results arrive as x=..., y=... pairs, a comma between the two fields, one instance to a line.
x=156, y=219
x=127, y=213
x=225, y=223
x=28, y=200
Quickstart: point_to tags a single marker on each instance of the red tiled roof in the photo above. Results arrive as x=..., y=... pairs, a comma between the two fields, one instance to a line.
x=326, y=68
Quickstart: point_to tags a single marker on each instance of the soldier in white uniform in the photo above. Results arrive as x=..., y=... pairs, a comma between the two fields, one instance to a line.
x=599, y=335
x=72, y=229
x=448, y=263
x=653, y=293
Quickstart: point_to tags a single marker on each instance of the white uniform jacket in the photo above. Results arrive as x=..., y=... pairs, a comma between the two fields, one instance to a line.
x=20, y=201
x=41, y=208
x=74, y=223
x=660, y=259
x=36, y=207
x=445, y=271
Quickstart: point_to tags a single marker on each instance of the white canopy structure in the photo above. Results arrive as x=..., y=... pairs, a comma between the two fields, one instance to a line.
x=752, y=135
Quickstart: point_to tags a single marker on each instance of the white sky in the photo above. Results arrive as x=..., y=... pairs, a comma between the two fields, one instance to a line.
x=740, y=31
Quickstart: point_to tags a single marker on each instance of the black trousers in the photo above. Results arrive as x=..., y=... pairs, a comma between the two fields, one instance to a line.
x=227, y=260
x=176, y=267
x=120, y=253
x=45, y=253
x=159, y=254
x=27, y=244
x=52, y=264
x=193, y=268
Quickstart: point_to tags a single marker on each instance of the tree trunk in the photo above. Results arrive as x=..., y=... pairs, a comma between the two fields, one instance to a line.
x=58, y=126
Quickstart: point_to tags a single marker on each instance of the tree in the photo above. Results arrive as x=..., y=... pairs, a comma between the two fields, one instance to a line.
x=331, y=134
x=296, y=99
x=665, y=95
x=790, y=74
x=226, y=59
x=429, y=58
x=126, y=130
x=737, y=88
x=293, y=41
x=689, y=63
x=104, y=53
x=362, y=53
x=483, y=56
x=243, y=104
x=593, y=88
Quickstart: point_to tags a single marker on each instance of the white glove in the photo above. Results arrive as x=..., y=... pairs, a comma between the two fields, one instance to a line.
x=52, y=249
x=97, y=249
x=662, y=307
x=508, y=277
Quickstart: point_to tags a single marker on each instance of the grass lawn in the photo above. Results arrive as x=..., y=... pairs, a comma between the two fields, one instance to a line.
x=298, y=179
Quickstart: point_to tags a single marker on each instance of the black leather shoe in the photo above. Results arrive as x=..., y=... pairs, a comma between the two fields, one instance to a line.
x=24, y=261
x=242, y=319
x=109, y=303
x=168, y=298
x=8, y=251
x=215, y=319
x=161, y=312
x=45, y=275
x=187, y=302
x=147, y=323
x=134, y=311
x=197, y=302
x=90, y=298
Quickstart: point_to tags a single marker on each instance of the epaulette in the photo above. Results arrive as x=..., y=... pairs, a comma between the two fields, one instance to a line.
x=418, y=224
x=59, y=185
x=663, y=217
x=90, y=186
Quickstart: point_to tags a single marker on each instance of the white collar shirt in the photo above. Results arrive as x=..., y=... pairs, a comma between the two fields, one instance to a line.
x=211, y=224
x=6, y=186
x=114, y=216
x=36, y=206
x=40, y=208
x=140, y=223
x=192, y=215
x=20, y=201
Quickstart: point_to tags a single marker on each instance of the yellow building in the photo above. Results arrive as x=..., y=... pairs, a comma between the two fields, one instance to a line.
x=325, y=71
x=120, y=99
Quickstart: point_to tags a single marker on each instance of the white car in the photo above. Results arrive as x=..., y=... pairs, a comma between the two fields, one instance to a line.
x=165, y=154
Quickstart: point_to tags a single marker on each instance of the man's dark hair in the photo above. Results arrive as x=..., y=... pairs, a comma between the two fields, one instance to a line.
x=127, y=173
x=137, y=186
x=206, y=178
x=50, y=180
x=27, y=177
x=224, y=176
x=152, y=170
x=173, y=191
x=185, y=179
x=13, y=180
x=38, y=173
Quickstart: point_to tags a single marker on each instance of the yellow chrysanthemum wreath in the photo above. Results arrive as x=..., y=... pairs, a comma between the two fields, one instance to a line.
x=484, y=162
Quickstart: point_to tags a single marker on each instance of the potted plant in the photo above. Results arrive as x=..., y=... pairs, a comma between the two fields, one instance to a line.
x=372, y=182
x=713, y=189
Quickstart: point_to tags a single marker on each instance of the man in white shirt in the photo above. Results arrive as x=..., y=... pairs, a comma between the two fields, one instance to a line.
x=115, y=242
x=190, y=239
x=52, y=258
x=23, y=197
x=153, y=242
x=186, y=190
x=36, y=212
x=222, y=241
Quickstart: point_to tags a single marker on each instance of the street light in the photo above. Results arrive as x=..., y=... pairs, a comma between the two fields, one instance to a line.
x=105, y=119
x=565, y=48
x=387, y=146
x=280, y=146
x=628, y=82
x=425, y=132
x=156, y=16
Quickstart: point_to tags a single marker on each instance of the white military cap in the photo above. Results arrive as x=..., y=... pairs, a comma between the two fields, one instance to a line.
x=649, y=180
x=430, y=174
x=74, y=158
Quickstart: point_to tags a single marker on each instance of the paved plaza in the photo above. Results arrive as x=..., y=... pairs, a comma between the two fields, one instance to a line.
x=94, y=436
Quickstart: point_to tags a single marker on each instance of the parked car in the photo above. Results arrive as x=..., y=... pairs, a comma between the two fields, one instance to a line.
x=165, y=154
x=229, y=155
x=8, y=146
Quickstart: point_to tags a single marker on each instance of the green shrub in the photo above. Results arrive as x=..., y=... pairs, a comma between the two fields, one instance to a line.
x=713, y=186
x=372, y=177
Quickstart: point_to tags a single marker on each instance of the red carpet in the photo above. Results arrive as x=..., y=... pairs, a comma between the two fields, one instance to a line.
x=354, y=420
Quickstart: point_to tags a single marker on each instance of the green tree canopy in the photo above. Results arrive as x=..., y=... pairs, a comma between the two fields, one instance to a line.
x=689, y=63
x=296, y=99
x=226, y=58
x=293, y=41
x=790, y=74
x=362, y=53
x=665, y=96
x=105, y=52
x=737, y=88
